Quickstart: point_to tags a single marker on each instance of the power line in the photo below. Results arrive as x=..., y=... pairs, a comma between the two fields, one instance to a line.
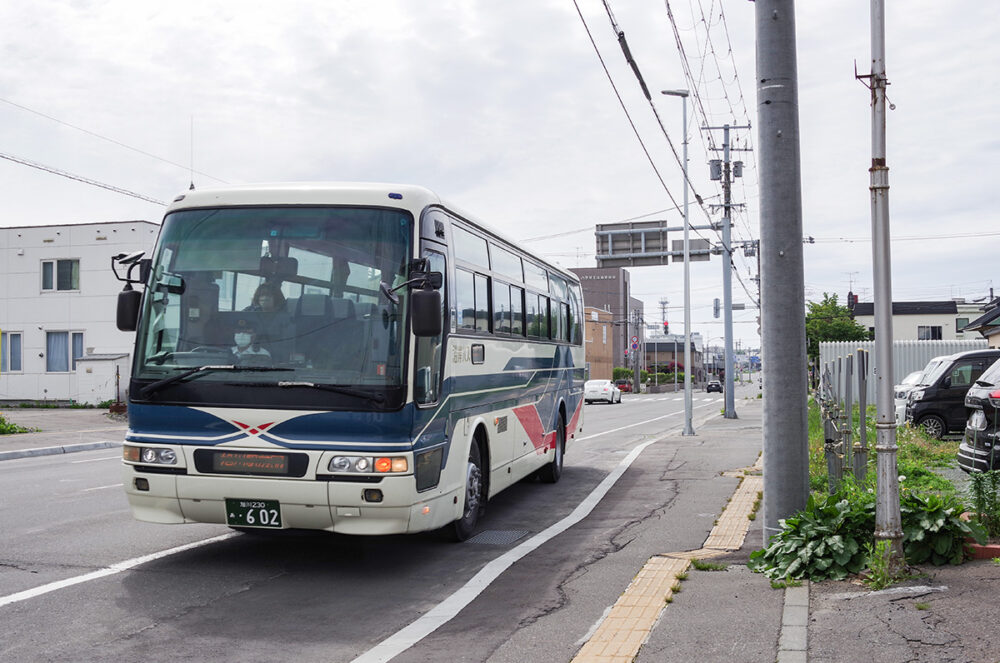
x=110, y=140
x=80, y=178
x=622, y=103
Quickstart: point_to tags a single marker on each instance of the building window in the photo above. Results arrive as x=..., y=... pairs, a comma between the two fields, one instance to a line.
x=10, y=352
x=960, y=324
x=62, y=349
x=60, y=275
x=929, y=333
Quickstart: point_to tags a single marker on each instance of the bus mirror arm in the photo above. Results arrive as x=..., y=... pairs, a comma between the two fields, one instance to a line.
x=131, y=261
x=425, y=280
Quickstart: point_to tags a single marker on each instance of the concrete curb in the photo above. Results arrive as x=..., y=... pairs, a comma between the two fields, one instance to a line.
x=51, y=451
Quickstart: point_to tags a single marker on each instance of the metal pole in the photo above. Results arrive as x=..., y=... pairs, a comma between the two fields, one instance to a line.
x=888, y=524
x=861, y=450
x=783, y=334
x=688, y=428
x=727, y=279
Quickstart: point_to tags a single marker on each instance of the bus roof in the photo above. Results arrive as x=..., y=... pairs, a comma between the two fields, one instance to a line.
x=406, y=196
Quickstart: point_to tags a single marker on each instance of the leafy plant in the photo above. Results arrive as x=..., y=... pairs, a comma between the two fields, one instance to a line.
x=9, y=427
x=984, y=491
x=933, y=530
x=832, y=537
x=824, y=541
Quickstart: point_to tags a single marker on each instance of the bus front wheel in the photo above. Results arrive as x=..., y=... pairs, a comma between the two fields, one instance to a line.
x=463, y=527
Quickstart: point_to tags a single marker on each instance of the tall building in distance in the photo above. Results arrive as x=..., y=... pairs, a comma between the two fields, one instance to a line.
x=608, y=288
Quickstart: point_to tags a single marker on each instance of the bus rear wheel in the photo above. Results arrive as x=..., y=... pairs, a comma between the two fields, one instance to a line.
x=462, y=528
x=550, y=473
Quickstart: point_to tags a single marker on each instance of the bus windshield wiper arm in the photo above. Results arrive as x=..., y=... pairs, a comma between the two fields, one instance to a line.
x=347, y=391
x=152, y=387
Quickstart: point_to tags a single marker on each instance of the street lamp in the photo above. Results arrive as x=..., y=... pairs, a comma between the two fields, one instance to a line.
x=688, y=428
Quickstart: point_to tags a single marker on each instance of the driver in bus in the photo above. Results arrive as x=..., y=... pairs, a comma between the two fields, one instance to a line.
x=247, y=350
x=274, y=324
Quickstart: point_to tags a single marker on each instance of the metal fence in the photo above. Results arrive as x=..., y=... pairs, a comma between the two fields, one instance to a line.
x=844, y=388
x=845, y=441
x=907, y=356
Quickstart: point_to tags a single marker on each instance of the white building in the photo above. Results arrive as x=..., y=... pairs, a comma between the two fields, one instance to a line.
x=924, y=321
x=58, y=296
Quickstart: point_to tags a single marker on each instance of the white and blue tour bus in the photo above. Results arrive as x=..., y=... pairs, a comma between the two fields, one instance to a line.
x=356, y=358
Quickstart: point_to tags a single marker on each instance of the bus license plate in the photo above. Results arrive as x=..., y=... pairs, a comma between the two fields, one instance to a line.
x=253, y=513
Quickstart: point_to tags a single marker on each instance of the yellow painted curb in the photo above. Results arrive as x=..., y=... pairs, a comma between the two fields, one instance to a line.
x=628, y=624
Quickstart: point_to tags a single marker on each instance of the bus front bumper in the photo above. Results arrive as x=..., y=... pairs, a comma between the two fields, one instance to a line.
x=334, y=506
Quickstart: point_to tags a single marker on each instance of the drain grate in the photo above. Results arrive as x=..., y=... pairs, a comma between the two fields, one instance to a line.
x=498, y=537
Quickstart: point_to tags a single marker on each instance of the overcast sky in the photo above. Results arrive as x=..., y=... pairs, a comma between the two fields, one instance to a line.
x=504, y=108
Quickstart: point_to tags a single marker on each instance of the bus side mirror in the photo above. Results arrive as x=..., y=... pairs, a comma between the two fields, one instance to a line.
x=425, y=312
x=128, y=308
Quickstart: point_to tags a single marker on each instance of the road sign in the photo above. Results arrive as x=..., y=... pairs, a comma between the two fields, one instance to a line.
x=635, y=339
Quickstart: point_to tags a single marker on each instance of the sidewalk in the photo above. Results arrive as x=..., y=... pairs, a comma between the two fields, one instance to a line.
x=673, y=611
x=61, y=430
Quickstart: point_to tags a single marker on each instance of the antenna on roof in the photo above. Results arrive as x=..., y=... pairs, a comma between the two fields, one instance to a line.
x=191, y=188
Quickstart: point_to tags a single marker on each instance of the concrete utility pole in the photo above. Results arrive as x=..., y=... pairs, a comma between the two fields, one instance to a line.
x=727, y=267
x=888, y=524
x=783, y=337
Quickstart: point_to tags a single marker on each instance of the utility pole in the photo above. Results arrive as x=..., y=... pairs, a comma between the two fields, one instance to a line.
x=727, y=267
x=888, y=524
x=783, y=337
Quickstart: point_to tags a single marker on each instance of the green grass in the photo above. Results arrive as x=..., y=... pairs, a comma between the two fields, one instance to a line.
x=916, y=457
x=701, y=565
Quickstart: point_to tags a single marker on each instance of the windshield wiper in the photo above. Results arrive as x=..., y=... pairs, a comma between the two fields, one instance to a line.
x=347, y=391
x=152, y=387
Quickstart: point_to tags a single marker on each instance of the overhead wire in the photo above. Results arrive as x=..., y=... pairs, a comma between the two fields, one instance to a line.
x=107, y=139
x=79, y=178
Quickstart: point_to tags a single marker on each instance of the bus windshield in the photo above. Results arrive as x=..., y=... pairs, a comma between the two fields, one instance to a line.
x=295, y=296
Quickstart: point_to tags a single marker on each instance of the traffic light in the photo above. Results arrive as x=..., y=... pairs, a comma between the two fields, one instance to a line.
x=666, y=327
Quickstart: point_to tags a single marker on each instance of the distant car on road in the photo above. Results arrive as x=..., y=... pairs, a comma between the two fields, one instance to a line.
x=601, y=390
x=624, y=385
x=713, y=385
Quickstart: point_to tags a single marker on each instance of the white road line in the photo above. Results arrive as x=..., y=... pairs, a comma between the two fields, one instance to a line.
x=109, y=571
x=445, y=611
x=94, y=460
x=113, y=485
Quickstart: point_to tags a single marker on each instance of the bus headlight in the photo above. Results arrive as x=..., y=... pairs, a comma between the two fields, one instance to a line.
x=149, y=455
x=366, y=465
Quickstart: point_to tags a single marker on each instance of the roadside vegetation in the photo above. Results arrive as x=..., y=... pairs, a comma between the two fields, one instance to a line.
x=833, y=537
x=8, y=427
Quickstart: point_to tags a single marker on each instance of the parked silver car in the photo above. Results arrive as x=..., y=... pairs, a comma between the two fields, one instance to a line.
x=901, y=392
x=601, y=390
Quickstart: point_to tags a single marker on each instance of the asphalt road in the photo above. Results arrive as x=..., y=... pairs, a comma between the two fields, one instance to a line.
x=81, y=581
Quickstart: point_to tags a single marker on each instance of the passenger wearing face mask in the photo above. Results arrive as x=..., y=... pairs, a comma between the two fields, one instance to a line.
x=246, y=346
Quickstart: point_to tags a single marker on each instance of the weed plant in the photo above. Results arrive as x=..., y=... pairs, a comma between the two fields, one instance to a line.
x=9, y=427
x=983, y=493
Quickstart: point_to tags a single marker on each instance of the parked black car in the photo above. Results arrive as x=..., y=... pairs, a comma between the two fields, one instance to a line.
x=978, y=451
x=938, y=403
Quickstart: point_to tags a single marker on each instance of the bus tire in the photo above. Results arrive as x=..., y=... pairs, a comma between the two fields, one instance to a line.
x=550, y=473
x=462, y=529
